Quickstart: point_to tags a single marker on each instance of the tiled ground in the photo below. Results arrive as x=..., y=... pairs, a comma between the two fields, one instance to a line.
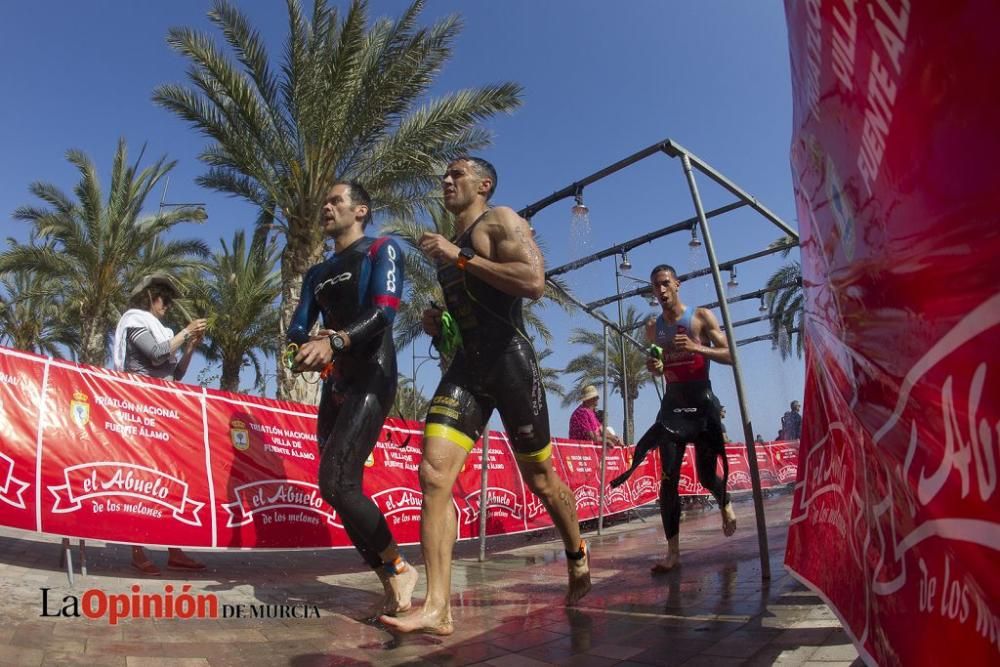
x=714, y=611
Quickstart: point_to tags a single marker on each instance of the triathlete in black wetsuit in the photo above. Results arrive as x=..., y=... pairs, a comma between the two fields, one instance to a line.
x=495, y=368
x=485, y=272
x=689, y=412
x=357, y=291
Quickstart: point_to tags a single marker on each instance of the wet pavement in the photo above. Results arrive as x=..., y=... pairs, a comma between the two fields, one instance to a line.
x=714, y=610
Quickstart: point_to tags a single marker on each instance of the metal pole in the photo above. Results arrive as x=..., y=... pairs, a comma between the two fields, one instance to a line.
x=604, y=439
x=413, y=387
x=621, y=326
x=758, y=499
x=483, y=482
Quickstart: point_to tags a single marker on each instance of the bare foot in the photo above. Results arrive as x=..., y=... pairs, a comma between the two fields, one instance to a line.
x=426, y=620
x=399, y=590
x=673, y=560
x=728, y=520
x=579, y=577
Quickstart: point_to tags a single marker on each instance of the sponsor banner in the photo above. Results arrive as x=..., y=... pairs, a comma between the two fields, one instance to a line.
x=785, y=460
x=20, y=396
x=123, y=458
x=620, y=499
x=391, y=478
x=896, y=519
x=264, y=464
x=579, y=465
x=506, y=510
x=644, y=484
x=131, y=459
x=739, y=470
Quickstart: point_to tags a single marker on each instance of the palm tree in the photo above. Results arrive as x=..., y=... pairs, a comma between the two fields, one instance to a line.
x=96, y=249
x=238, y=294
x=409, y=403
x=589, y=366
x=785, y=305
x=550, y=376
x=31, y=314
x=342, y=105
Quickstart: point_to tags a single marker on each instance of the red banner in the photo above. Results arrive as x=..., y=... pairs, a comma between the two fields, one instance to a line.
x=20, y=398
x=896, y=520
x=96, y=454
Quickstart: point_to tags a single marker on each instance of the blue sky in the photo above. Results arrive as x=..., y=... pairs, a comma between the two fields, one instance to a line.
x=601, y=81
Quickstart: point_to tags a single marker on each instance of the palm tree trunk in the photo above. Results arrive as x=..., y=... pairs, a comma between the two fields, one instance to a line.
x=230, y=379
x=92, y=350
x=303, y=250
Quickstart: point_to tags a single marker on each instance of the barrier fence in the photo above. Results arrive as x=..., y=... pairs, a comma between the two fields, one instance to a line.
x=95, y=454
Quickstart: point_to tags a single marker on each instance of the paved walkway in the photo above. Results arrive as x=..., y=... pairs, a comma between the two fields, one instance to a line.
x=508, y=612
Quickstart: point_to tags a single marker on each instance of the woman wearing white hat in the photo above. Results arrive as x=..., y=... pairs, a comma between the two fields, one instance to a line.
x=584, y=424
x=144, y=346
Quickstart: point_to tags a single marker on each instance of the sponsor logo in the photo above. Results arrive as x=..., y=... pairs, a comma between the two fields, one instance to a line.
x=497, y=498
x=329, y=282
x=586, y=496
x=643, y=487
x=399, y=500
x=125, y=487
x=390, y=277
x=270, y=494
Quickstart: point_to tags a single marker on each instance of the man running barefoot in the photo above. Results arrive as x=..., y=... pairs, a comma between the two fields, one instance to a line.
x=690, y=338
x=486, y=271
x=357, y=292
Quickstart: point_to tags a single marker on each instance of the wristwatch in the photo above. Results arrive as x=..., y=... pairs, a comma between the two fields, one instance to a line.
x=465, y=255
x=337, y=342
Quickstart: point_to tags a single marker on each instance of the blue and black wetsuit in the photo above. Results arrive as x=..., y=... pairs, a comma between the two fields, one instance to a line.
x=357, y=291
x=494, y=369
x=689, y=412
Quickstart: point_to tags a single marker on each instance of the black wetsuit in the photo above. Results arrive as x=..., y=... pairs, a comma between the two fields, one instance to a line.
x=495, y=368
x=356, y=291
x=689, y=412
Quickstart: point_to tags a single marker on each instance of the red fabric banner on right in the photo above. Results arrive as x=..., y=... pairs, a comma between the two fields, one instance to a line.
x=896, y=516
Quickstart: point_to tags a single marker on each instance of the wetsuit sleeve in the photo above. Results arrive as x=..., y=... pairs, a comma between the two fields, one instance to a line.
x=385, y=289
x=306, y=312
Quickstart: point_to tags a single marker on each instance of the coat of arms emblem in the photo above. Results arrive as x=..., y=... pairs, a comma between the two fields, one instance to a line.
x=79, y=409
x=239, y=435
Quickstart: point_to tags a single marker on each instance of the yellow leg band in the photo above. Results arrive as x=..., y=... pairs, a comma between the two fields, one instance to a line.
x=542, y=454
x=450, y=434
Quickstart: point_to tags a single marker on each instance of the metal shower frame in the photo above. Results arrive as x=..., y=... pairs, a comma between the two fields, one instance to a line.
x=689, y=163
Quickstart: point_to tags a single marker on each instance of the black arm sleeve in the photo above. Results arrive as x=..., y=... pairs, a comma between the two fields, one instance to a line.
x=371, y=324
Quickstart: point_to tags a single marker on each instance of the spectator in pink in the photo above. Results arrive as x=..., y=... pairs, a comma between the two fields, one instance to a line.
x=584, y=424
